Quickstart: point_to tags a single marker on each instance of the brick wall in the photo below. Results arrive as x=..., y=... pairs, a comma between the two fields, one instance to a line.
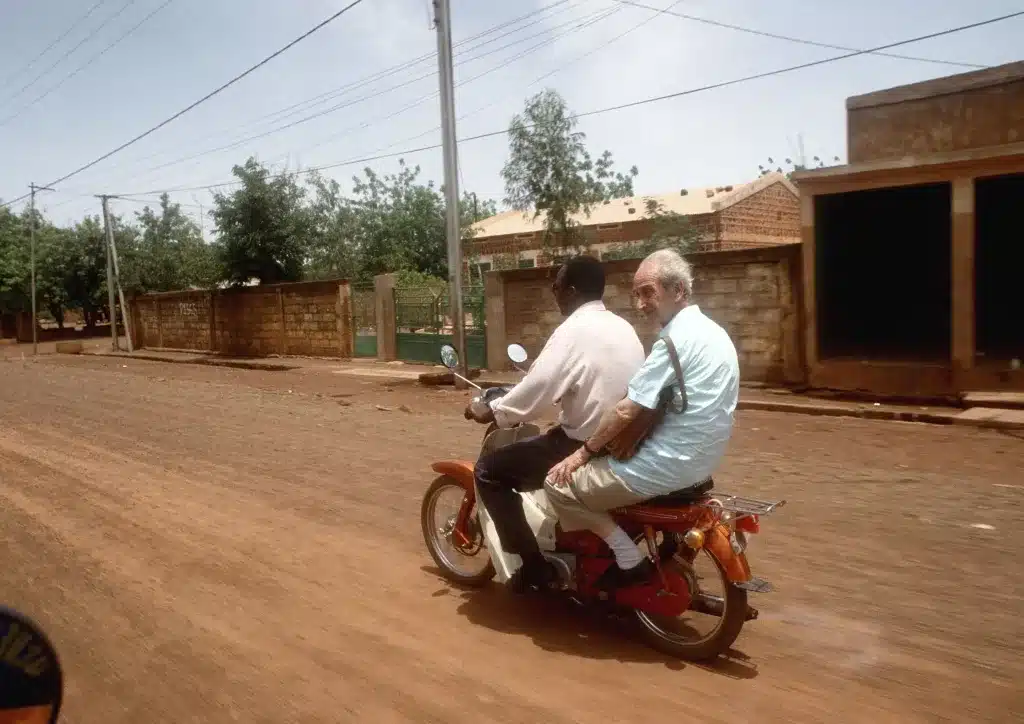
x=753, y=293
x=769, y=216
x=307, y=318
x=968, y=110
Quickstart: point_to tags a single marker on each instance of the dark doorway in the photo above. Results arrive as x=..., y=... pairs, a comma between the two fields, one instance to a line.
x=882, y=275
x=998, y=264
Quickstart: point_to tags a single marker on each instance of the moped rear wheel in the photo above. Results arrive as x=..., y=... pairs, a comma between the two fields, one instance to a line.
x=466, y=565
x=681, y=637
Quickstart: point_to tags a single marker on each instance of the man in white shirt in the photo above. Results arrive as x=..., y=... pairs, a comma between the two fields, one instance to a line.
x=584, y=367
x=684, y=449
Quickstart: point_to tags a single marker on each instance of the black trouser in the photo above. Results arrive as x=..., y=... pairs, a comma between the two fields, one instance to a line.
x=519, y=467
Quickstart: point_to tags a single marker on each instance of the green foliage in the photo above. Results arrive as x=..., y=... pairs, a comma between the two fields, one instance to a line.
x=671, y=231
x=264, y=227
x=793, y=167
x=550, y=171
x=170, y=254
x=14, y=261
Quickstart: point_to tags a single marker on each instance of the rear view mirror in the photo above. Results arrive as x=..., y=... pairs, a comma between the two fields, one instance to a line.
x=449, y=357
x=517, y=353
x=31, y=680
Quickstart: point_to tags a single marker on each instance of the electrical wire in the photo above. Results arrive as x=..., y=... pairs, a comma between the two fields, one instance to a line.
x=208, y=96
x=85, y=65
x=632, y=104
x=62, y=58
x=580, y=24
x=802, y=41
x=49, y=47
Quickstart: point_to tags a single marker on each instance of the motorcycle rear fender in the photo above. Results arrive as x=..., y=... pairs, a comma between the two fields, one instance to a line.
x=461, y=471
x=735, y=565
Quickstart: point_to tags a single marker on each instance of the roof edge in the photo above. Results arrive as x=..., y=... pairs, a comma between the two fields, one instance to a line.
x=935, y=87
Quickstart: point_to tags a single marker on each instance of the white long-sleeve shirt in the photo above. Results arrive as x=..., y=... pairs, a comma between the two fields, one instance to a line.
x=585, y=366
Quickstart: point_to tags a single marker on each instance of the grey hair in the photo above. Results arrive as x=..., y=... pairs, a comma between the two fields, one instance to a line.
x=671, y=270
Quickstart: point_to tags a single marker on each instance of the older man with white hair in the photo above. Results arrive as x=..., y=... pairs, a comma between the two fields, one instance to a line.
x=682, y=450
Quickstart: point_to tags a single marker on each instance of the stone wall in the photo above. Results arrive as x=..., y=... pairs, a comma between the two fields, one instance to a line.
x=307, y=318
x=969, y=110
x=753, y=293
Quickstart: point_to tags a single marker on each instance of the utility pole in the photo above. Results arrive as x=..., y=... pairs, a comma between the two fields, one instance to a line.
x=442, y=22
x=32, y=253
x=110, y=272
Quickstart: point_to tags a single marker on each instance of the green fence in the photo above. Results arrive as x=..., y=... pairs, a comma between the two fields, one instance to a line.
x=423, y=324
x=364, y=320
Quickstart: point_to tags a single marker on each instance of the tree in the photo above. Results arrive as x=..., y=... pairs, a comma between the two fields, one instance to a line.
x=550, y=171
x=14, y=262
x=170, y=254
x=670, y=231
x=794, y=167
x=265, y=227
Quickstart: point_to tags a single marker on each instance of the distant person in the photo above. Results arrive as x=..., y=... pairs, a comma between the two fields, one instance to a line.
x=584, y=367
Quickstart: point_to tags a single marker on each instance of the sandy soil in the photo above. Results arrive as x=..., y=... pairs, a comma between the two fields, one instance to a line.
x=217, y=545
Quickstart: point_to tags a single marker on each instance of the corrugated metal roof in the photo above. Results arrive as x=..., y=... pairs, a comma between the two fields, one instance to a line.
x=694, y=202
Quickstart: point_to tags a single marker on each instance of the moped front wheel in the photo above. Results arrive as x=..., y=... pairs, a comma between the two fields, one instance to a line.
x=463, y=561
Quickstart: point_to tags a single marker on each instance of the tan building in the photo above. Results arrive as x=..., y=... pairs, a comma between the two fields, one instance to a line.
x=912, y=253
x=759, y=213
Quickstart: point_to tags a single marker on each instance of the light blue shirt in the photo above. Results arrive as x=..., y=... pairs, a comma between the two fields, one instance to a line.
x=685, y=448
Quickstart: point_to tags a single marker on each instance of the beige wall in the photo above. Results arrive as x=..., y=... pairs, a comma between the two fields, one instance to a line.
x=753, y=293
x=308, y=318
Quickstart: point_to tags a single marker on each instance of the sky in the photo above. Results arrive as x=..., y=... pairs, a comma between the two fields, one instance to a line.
x=58, y=113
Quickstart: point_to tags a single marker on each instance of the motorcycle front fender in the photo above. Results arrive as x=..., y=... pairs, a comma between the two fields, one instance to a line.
x=461, y=471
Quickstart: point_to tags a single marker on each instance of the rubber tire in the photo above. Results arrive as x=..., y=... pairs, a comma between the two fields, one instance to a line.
x=480, y=579
x=735, y=616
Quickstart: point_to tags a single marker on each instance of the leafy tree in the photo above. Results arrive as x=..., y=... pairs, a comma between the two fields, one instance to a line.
x=550, y=171
x=14, y=261
x=816, y=162
x=670, y=231
x=170, y=254
x=264, y=227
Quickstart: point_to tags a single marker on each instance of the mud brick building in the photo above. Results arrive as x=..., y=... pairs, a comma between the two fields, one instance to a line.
x=912, y=253
x=763, y=212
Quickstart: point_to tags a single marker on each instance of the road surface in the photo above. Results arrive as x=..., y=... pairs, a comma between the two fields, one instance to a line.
x=217, y=545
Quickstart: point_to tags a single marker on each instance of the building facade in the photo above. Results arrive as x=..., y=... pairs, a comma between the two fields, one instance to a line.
x=764, y=212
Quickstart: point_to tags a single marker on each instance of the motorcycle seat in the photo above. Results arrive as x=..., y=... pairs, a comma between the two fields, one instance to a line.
x=679, y=498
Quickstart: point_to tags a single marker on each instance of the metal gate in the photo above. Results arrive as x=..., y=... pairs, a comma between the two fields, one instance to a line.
x=364, y=319
x=423, y=323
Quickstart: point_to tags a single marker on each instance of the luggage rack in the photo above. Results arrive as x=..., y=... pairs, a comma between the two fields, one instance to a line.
x=741, y=505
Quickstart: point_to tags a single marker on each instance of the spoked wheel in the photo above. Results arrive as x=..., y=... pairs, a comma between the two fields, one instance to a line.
x=717, y=612
x=466, y=563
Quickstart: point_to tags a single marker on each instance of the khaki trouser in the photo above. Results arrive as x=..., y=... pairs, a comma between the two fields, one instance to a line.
x=593, y=490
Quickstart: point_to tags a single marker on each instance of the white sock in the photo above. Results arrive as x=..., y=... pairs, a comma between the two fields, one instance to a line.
x=627, y=555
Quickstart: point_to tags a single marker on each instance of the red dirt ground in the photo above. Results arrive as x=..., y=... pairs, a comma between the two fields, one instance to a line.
x=224, y=545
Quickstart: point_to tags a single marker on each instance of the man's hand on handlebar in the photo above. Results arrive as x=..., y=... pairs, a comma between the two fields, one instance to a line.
x=479, y=411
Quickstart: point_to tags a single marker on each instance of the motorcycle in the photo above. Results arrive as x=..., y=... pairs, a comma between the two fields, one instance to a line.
x=673, y=530
x=31, y=679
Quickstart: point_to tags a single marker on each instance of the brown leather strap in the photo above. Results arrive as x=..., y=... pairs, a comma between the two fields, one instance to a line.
x=674, y=356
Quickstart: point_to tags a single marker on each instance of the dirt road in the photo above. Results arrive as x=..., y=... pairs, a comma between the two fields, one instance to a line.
x=214, y=545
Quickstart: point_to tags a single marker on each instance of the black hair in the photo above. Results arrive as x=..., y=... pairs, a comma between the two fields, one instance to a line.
x=586, y=275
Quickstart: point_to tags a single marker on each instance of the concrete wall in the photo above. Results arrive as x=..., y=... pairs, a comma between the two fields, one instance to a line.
x=754, y=293
x=307, y=318
x=969, y=110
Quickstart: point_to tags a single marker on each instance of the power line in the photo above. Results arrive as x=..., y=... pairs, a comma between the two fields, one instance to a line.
x=209, y=95
x=85, y=65
x=294, y=108
x=790, y=39
x=49, y=47
x=632, y=104
x=80, y=43
x=580, y=24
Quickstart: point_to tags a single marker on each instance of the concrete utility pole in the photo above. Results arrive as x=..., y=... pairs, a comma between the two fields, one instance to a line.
x=442, y=22
x=110, y=272
x=32, y=253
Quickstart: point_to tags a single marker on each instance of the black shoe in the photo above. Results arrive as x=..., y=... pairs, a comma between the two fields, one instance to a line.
x=615, y=577
x=533, y=577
